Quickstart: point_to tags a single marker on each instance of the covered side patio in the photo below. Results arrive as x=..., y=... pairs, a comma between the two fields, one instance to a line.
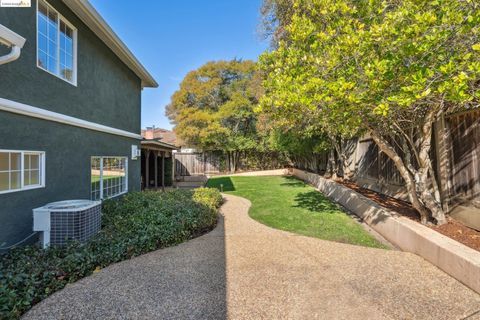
x=157, y=164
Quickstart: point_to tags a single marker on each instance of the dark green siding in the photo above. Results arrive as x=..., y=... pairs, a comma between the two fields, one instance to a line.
x=107, y=92
x=67, y=164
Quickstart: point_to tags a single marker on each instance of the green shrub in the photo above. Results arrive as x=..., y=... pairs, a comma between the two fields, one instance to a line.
x=210, y=197
x=138, y=223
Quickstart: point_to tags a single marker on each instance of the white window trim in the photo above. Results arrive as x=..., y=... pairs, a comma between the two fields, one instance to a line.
x=74, y=80
x=22, y=170
x=101, y=176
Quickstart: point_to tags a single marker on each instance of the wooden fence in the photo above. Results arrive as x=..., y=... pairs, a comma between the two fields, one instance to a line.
x=373, y=164
x=464, y=132
x=191, y=164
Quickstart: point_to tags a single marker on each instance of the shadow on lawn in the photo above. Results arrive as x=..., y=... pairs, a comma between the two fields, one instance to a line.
x=218, y=182
x=293, y=182
x=315, y=201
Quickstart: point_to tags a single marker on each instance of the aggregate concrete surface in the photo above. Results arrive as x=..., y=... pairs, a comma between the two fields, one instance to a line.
x=245, y=270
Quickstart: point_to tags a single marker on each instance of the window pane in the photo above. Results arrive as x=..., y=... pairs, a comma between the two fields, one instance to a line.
x=42, y=9
x=26, y=161
x=63, y=26
x=42, y=23
x=52, y=49
x=34, y=161
x=52, y=65
x=69, y=46
x=69, y=32
x=4, y=181
x=113, y=177
x=15, y=180
x=42, y=43
x=52, y=30
x=67, y=73
x=95, y=178
x=15, y=161
x=52, y=16
x=42, y=59
x=26, y=178
x=63, y=42
x=35, y=177
x=62, y=58
x=69, y=61
x=4, y=161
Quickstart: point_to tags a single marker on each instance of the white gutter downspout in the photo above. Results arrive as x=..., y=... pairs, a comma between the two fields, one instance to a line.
x=12, y=56
x=13, y=40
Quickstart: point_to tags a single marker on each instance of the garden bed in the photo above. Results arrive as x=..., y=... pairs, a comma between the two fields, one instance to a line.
x=452, y=229
x=136, y=224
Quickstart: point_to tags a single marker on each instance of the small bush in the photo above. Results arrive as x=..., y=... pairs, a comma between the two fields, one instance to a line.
x=138, y=223
x=210, y=197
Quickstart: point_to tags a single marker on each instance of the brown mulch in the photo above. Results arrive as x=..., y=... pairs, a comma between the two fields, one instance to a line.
x=452, y=229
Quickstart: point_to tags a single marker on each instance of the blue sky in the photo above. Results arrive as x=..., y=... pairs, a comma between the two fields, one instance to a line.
x=172, y=37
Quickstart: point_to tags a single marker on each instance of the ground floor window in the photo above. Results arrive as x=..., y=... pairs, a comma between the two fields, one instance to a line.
x=108, y=177
x=21, y=170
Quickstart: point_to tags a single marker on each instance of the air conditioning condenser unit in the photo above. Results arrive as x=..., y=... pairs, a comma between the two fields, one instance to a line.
x=60, y=222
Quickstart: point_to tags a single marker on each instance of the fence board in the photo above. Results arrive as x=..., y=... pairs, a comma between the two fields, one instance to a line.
x=465, y=156
x=189, y=164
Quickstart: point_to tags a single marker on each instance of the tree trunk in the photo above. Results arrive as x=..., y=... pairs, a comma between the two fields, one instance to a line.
x=331, y=165
x=418, y=183
x=229, y=156
x=386, y=148
x=427, y=177
x=339, y=148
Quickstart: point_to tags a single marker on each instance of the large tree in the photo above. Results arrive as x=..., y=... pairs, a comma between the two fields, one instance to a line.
x=385, y=68
x=213, y=109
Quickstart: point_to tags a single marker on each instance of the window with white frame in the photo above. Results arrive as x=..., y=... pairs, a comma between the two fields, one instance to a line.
x=108, y=177
x=21, y=170
x=56, y=43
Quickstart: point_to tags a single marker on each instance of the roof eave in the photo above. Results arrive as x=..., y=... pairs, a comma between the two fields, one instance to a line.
x=87, y=13
x=159, y=143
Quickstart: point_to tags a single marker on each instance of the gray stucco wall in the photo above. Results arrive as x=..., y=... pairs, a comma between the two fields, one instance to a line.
x=68, y=151
x=107, y=91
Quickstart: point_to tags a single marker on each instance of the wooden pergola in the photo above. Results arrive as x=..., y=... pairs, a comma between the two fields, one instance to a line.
x=153, y=176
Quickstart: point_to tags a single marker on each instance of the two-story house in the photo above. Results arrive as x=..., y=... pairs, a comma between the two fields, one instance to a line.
x=70, y=103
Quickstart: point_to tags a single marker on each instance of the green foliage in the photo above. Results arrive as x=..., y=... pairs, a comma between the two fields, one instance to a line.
x=210, y=197
x=138, y=223
x=390, y=68
x=350, y=65
x=213, y=109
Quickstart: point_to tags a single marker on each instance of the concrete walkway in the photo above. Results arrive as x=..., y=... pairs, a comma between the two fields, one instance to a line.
x=245, y=270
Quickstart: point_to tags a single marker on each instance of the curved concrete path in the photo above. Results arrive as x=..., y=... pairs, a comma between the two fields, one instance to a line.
x=245, y=270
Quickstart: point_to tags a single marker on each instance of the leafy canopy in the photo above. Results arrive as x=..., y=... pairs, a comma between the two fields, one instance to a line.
x=213, y=109
x=351, y=65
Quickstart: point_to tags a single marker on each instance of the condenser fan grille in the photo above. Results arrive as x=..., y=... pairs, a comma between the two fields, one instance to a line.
x=77, y=225
x=64, y=221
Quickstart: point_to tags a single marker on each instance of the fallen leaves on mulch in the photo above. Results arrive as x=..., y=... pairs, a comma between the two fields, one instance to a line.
x=452, y=229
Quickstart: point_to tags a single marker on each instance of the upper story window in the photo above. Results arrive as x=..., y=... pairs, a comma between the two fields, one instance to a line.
x=56, y=43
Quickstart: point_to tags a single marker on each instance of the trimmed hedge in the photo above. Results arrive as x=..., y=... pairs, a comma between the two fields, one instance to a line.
x=138, y=223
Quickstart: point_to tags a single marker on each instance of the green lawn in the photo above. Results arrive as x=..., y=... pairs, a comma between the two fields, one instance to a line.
x=287, y=203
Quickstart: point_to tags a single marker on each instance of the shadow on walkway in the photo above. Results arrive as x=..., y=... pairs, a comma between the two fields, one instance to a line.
x=272, y=274
x=187, y=281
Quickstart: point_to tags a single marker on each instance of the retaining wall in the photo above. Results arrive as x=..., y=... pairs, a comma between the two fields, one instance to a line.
x=456, y=259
